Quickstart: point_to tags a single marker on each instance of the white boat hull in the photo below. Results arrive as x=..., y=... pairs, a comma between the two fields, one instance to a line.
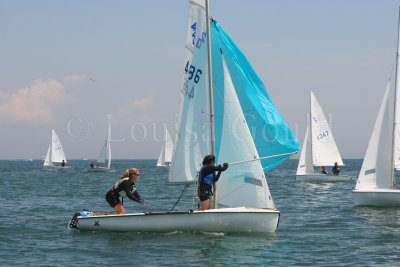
x=215, y=220
x=56, y=167
x=324, y=178
x=377, y=197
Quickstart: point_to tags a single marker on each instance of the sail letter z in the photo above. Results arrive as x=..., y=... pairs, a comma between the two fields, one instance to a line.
x=251, y=180
x=370, y=171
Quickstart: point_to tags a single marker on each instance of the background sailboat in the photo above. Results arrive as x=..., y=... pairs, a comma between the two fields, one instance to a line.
x=55, y=153
x=165, y=157
x=103, y=162
x=319, y=148
x=219, y=85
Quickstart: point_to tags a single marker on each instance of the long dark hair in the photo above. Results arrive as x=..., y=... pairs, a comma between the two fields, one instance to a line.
x=208, y=159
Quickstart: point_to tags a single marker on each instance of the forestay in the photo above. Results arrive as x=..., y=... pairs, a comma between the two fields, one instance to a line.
x=241, y=184
x=193, y=137
x=324, y=149
x=376, y=171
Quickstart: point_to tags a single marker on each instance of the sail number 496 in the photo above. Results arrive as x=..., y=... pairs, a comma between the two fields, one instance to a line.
x=193, y=72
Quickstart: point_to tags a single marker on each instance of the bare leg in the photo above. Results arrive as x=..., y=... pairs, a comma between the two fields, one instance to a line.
x=205, y=205
x=120, y=209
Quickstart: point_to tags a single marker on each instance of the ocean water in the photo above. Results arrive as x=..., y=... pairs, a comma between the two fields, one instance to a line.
x=319, y=224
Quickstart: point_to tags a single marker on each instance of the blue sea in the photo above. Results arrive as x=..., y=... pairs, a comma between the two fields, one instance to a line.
x=319, y=224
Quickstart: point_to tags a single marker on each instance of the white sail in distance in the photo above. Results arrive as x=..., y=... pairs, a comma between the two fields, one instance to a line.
x=324, y=148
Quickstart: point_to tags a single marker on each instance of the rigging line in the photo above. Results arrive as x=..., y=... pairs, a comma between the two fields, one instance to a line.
x=262, y=158
x=183, y=191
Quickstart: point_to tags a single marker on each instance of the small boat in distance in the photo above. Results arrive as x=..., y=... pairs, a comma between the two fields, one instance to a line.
x=103, y=161
x=376, y=185
x=55, y=156
x=164, y=159
x=319, y=148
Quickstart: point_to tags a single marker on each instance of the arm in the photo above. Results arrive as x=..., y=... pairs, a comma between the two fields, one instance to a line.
x=126, y=186
x=220, y=169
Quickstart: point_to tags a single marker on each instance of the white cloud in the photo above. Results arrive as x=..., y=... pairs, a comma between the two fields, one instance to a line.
x=75, y=78
x=129, y=112
x=32, y=104
x=36, y=104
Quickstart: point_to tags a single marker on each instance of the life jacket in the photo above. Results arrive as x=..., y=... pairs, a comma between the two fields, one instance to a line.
x=207, y=180
x=122, y=193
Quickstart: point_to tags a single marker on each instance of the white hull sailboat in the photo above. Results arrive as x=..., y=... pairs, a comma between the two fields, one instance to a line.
x=103, y=162
x=227, y=220
x=376, y=185
x=165, y=157
x=55, y=154
x=319, y=148
x=213, y=108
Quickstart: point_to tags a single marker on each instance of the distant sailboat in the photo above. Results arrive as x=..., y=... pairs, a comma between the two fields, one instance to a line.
x=212, y=121
x=103, y=162
x=376, y=184
x=164, y=159
x=55, y=153
x=319, y=148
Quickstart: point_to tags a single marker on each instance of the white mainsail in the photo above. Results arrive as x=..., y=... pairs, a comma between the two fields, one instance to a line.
x=104, y=157
x=57, y=151
x=241, y=184
x=165, y=157
x=324, y=149
x=194, y=127
x=305, y=162
x=376, y=171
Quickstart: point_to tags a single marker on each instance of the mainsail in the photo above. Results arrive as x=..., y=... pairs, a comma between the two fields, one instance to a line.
x=165, y=156
x=324, y=149
x=104, y=157
x=376, y=171
x=57, y=151
x=193, y=140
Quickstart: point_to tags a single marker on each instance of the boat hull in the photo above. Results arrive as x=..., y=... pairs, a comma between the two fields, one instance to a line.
x=324, y=178
x=377, y=197
x=55, y=167
x=229, y=220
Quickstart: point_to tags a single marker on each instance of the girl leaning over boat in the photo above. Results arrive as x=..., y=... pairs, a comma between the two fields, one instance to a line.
x=125, y=186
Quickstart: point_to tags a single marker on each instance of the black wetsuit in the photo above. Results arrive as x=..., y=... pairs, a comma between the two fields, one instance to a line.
x=336, y=170
x=123, y=188
x=205, y=187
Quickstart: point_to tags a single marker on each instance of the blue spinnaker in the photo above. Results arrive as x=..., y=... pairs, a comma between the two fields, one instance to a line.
x=270, y=133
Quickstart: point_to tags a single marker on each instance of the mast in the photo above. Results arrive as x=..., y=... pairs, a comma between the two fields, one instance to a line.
x=109, y=141
x=395, y=102
x=211, y=89
x=311, y=133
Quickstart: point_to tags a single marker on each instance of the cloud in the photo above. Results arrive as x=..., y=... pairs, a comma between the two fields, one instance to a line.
x=75, y=78
x=129, y=112
x=32, y=104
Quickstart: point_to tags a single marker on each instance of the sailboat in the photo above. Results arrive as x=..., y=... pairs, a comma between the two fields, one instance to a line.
x=376, y=184
x=219, y=86
x=164, y=159
x=55, y=153
x=103, y=162
x=319, y=148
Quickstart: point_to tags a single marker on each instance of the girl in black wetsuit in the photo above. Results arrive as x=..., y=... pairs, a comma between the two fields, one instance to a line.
x=207, y=176
x=125, y=186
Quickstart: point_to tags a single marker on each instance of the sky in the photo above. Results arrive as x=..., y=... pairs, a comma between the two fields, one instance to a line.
x=66, y=64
